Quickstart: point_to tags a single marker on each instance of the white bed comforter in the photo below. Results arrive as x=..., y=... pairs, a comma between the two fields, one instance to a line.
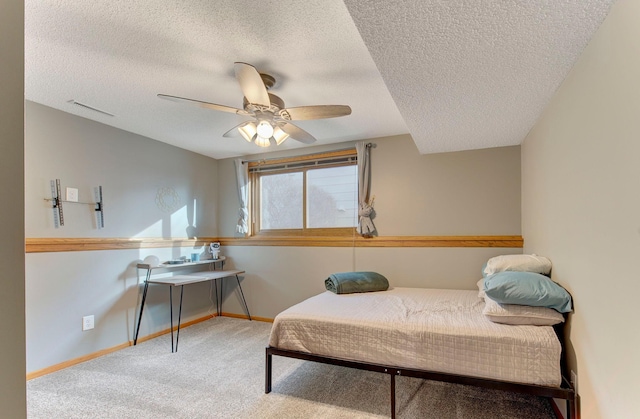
x=428, y=329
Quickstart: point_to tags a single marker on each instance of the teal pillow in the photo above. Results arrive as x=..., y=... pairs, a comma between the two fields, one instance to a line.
x=528, y=289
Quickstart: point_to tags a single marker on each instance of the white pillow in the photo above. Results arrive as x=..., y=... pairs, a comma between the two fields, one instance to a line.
x=480, y=285
x=520, y=315
x=523, y=263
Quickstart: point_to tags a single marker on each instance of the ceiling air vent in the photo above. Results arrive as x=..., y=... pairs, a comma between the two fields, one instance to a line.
x=91, y=108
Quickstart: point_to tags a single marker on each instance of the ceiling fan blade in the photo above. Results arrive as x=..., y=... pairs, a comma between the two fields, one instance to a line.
x=233, y=132
x=251, y=84
x=297, y=133
x=315, y=112
x=202, y=104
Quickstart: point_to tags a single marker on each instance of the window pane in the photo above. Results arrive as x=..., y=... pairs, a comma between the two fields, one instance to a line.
x=281, y=201
x=332, y=197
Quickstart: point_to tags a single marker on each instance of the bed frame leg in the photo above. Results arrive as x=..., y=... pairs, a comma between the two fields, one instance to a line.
x=267, y=378
x=572, y=407
x=393, y=394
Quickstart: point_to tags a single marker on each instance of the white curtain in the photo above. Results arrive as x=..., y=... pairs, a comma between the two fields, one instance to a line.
x=242, y=176
x=365, y=225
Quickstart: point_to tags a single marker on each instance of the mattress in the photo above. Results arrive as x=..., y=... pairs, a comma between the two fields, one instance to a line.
x=427, y=329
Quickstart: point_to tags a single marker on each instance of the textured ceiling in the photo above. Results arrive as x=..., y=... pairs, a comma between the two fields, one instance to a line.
x=474, y=74
x=454, y=74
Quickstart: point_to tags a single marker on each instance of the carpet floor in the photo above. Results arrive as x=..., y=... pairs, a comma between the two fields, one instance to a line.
x=218, y=372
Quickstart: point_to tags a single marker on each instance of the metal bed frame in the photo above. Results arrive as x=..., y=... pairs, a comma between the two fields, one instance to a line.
x=565, y=391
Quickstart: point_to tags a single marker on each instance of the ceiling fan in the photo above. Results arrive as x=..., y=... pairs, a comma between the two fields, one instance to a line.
x=270, y=120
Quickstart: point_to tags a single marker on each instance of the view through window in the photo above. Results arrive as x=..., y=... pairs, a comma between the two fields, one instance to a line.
x=308, y=198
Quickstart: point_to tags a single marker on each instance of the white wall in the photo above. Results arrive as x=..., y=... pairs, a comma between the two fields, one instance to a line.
x=12, y=345
x=61, y=288
x=581, y=208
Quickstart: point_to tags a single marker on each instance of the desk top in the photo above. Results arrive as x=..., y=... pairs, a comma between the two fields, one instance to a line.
x=201, y=276
x=180, y=265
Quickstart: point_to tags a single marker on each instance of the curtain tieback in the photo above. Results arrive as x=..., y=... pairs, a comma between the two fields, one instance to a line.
x=243, y=216
x=365, y=210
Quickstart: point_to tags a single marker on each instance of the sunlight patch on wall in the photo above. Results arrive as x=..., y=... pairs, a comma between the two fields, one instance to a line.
x=179, y=223
x=154, y=230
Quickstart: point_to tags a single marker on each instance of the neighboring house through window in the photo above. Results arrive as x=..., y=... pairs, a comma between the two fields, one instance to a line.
x=306, y=195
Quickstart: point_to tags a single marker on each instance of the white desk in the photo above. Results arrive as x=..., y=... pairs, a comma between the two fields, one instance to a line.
x=181, y=281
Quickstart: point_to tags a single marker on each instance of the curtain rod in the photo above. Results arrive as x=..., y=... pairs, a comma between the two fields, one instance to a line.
x=368, y=145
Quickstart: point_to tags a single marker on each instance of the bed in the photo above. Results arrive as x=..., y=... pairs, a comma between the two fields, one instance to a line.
x=432, y=334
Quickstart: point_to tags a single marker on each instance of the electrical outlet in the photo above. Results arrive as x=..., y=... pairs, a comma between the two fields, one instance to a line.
x=72, y=194
x=87, y=322
x=574, y=380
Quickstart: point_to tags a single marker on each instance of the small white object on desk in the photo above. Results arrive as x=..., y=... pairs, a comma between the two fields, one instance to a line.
x=151, y=261
x=214, y=249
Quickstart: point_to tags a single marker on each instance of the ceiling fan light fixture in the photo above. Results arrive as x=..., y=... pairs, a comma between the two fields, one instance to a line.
x=279, y=135
x=265, y=130
x=248, y=131
x=262, y=142
x=271, y=122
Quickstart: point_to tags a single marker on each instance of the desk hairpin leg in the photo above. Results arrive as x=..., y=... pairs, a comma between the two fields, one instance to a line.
x=219, y=301
x=144, y=297
x=179, y=316
x=243, y=300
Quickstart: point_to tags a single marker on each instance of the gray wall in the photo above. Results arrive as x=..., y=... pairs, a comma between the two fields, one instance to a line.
x=61, y=288
x=463, y=193
x=131, y=169
x=581, y=208
x=468, y=193
x=12, y=306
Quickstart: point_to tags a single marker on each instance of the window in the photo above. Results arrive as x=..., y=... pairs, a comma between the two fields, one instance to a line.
x=306, y=195
x=281, y=201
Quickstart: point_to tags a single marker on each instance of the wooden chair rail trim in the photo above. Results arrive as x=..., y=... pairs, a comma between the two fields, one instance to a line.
x=40, y=245
x=386, y=241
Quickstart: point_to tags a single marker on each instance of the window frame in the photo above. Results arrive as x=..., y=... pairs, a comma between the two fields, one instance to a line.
x=296, y=164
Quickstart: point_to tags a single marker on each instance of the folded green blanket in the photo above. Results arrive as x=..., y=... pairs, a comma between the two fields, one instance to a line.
x=350, y=282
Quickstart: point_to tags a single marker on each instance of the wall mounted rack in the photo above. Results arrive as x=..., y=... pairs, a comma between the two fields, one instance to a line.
x=57, y=201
